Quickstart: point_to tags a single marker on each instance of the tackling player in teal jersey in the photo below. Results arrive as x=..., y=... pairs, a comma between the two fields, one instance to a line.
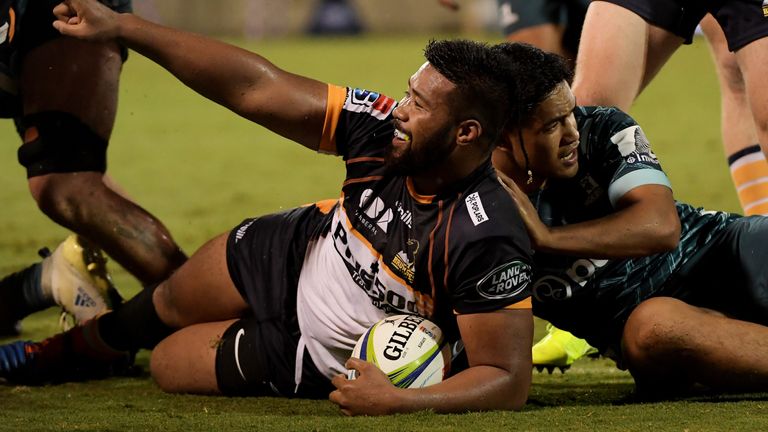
x=676, y=295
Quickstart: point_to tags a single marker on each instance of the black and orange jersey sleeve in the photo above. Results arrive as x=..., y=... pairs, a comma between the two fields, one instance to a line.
x=336, y=97
x=357, y=123
x=492, y=275
x=488, y=261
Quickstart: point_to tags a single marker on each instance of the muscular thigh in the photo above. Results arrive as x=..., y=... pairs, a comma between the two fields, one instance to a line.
x=185, y=362
x=76, y=77
x=201, y=290
x=50, y=72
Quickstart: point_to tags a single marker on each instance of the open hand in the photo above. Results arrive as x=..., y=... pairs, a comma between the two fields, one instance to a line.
x=86, y=19
x=370, y=394
x=537, y=231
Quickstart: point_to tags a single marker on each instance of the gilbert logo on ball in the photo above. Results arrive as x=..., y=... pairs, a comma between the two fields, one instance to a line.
x=410, y=349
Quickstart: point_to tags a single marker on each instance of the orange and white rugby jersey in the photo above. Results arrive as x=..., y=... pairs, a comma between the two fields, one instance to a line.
x=389, y=250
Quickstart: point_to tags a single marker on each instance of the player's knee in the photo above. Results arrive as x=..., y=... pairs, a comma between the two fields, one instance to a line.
x=168, y=309
x=57, y=199
x=161, y=364
x=649, y=334
x=65, y=199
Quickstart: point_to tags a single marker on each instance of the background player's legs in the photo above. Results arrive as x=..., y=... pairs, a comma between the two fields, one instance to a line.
x=668, y=345
x=753, y=62
x=548, y=37
x=749, y=169
x=200, y=291
x=82, y=78
x=619, y=55
x=185, y=362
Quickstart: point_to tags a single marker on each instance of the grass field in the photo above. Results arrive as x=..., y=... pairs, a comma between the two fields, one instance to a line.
x=202, y=170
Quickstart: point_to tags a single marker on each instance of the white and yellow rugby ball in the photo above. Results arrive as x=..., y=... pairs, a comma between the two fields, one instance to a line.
x=410, y=349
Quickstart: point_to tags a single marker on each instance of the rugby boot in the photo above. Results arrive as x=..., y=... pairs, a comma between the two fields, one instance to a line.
x=65, y=357
x=80, y=282
x=559, y=349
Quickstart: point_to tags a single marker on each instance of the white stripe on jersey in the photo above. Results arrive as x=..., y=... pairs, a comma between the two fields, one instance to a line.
x=336, y=305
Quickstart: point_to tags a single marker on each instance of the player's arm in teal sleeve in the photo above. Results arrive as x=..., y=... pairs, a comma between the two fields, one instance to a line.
x=498, y=346
x=288, y=104
x=645, y=222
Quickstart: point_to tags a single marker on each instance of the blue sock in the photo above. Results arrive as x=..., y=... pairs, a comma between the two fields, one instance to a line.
x=34, y=298
x=21, y=294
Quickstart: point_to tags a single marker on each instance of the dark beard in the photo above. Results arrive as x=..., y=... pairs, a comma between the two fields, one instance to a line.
x=410, y=163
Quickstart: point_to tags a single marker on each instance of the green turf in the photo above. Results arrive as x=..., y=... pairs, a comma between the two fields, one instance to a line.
x=202, y=170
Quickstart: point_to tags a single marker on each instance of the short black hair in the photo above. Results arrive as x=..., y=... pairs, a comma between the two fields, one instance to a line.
x=478, y=72
x=537, y=74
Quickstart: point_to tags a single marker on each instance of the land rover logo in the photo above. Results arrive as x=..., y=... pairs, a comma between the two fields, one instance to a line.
x=505, y=281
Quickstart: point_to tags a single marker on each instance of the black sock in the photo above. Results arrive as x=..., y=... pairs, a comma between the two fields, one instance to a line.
x=134, y=324
x=21, y=295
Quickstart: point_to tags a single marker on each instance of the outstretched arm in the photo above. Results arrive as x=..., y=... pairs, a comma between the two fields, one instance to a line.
x=498, y=346
x=290, y=105
x=645, y=222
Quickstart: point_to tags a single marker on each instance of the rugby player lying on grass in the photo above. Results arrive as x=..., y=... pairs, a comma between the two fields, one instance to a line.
x=674, y=294
x=284, y=297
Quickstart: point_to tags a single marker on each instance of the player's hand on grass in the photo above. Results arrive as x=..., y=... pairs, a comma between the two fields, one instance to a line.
x=537, y=231
x=86, y=19
x=371, y=393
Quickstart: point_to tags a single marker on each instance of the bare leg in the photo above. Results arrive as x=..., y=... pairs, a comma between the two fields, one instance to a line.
x=82, y=79
x=668, y=344
x=545, y=36
x=749, y=170
x=753, y=61
x=201, y=290
x=185, y=362
x=619, y=55
x=196, y=299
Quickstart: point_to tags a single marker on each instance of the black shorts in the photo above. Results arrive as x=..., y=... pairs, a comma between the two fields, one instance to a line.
x=742, y=21
x=32, y=26
x=264, y=258
x=728, y=274
x=515, y=15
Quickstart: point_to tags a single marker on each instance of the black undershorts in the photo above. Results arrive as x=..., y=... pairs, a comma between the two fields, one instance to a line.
x=742, y=21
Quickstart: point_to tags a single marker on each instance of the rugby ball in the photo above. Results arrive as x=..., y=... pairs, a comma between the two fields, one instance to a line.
x=410, y=349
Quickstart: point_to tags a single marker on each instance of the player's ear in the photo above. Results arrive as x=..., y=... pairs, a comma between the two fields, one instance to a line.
x=468, y=132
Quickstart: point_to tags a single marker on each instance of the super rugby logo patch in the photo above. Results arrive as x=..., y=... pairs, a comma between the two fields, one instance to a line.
x=375, y=104
x=505, y=281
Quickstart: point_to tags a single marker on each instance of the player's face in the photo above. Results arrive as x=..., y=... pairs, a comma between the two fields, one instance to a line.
x=423, y=123
x=552, y=136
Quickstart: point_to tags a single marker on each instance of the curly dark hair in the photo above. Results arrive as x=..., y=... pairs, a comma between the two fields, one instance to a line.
x=481, y=78
x=537, y=74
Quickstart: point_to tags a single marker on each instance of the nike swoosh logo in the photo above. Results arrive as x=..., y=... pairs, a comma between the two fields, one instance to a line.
x=240, y=333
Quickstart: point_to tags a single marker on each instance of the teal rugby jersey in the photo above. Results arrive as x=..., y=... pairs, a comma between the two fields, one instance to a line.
x=592, y=298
